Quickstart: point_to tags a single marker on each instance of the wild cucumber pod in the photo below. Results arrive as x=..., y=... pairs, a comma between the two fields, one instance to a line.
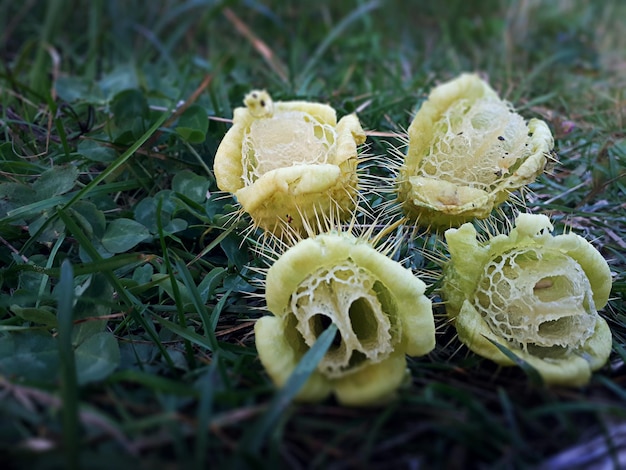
x=468, y=150
x=536, y=294
x=290, y=162
x=379, y=308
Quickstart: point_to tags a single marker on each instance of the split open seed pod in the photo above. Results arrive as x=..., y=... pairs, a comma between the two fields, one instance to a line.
x=535, y=294
x=468, y=150
x=290, y=162
x=378, y=306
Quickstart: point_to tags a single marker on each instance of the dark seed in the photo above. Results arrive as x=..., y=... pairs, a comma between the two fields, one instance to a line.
x=500, y=137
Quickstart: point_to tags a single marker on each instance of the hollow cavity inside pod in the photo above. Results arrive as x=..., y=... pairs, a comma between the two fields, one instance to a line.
x=289, y=162
x=536, y=294
x=378, y=306
x=467, y=151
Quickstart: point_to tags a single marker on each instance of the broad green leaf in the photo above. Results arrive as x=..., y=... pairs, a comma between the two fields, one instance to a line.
x=7, y=153
x=193, y=124
x=71, y=89
x=5, y=207
x=130, y=116
x=167, y=199
x=83, y=223
x=50, y=233
x=91, y=215
x=128, y=105
x=189, y=184
x=40, y=316
x=123, y=234
x=29, y=281
x=210, y=282
x=135, y=352
x=29, y=356
x=145, y=213
x=122, y=77
x=55, y=181
x=97, y=357
x=164, y=282
x=236, y=250
x=175, y=225
x=95, y=301
x=217, y=205
x=97, y=245
x=18, y=193
x=143, y=274
x=96, y=152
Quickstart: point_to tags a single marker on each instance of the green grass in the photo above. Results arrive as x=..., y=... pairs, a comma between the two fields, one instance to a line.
x=103, y=172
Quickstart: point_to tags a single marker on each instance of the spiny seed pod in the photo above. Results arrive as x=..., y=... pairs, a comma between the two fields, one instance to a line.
x=533, y=293
x=468, y=150
x=378, y=306
x=289, y=162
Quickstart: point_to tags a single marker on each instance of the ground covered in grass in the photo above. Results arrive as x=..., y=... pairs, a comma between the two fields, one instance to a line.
x=129, y=291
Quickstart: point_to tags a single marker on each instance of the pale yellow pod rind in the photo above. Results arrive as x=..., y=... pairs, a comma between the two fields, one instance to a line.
x=275, y=191
x=397, y=318
x=592, y=262
x=374, y=385
x=289, y=163
x=227, y=165
x=571, y=281
x=458, y=167
x=280, y=357
x=574, y=371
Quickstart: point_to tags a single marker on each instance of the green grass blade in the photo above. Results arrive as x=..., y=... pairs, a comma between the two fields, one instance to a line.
x=205, y=410
x=114, y=165
x=112, y=263
x=136, y=306
x=49, y=263
x=254, y=439
x=532, y=374
x=175, y=290
x=303, y=78
x=196, y=299
x=153, y=382
x=39, y=73
x=190, y=335
x=69, y=385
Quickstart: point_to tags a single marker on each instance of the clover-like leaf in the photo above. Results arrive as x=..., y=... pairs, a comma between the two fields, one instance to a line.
x=124, y=234
x=193, y=186
x=193, y=124
x=96, y=357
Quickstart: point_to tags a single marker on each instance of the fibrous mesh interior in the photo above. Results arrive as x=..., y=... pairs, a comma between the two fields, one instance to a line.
x=288, y=138
x=345, y=295
x=537, y=302
x=476, y=144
